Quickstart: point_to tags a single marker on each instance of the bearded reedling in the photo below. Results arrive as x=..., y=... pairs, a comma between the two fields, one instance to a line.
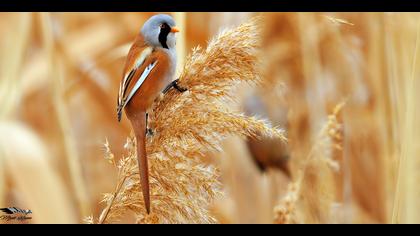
x=149, y=70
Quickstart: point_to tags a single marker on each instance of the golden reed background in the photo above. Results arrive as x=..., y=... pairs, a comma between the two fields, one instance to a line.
x=343, y=87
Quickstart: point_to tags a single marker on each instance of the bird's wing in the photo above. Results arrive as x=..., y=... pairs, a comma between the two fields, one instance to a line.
x=7, y=210
x=135, y=60
x=139, y=82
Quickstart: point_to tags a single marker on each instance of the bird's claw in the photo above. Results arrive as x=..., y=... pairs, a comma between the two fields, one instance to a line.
x=179, y=88
x=149, y=132
x=174, y=84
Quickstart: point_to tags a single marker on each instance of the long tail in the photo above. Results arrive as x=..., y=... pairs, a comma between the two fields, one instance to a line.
x=139, y=125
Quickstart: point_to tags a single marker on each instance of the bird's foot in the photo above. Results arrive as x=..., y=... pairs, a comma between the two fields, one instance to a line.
x=179, y=88
x=174, y=84
x=149, y=132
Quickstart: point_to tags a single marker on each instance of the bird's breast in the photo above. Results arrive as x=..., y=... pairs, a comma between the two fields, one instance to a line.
x=172, y=64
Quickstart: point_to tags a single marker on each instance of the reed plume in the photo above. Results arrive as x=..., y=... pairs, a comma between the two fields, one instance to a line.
x=311, y=197
x=186, y=127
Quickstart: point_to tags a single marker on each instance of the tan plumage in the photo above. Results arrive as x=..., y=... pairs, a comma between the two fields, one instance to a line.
x=155, y=81
x=149, y=68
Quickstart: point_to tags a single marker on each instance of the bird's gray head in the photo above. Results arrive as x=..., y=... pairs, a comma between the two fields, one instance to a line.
x=159, y=31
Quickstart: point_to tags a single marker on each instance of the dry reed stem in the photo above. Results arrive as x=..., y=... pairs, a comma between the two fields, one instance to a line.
x=2, y=179
x=12, y=51
x=187, y=126
x=406, y=205
x=33, y=178
x=338, y=21
x=57, y=74
x=180, y=19
x=11, y=56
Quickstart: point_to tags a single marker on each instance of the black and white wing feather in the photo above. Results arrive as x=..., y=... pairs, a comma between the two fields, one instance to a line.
x=131, y=70
x=136, y=87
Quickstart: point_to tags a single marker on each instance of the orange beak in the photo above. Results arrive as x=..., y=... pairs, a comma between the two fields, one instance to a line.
x=174, y=30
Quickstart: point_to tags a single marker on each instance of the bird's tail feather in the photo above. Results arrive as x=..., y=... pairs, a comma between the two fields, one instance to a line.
x=119, y=112
x=139, y=125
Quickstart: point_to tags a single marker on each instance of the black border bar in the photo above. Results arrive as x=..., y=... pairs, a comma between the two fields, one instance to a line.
x=210, y=5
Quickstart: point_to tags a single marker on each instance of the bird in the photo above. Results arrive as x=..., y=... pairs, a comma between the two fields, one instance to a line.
x=148, y=72
x=267, y=153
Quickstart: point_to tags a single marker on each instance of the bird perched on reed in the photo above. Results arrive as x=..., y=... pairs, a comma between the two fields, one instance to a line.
x=149, y=70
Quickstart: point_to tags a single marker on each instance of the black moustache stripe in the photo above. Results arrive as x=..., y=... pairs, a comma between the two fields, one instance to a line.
x=163, y=35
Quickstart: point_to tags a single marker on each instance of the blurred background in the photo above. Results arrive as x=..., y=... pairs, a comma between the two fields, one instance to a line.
x=344, y=86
